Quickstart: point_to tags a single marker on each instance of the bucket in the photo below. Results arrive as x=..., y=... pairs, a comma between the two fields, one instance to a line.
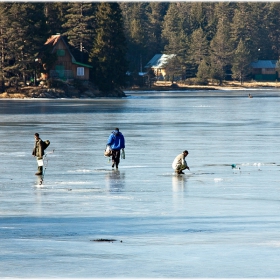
x=40, y=162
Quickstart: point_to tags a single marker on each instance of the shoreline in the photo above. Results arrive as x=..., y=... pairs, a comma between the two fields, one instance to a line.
x=158, y=86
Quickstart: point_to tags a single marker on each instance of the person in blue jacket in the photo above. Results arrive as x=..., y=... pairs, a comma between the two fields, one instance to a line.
x=117, y=143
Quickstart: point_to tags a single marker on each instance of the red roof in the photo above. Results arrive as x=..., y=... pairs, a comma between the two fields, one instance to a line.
x=53, y=39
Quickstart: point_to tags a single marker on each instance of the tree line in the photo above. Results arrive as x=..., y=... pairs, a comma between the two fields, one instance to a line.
x=211, y=40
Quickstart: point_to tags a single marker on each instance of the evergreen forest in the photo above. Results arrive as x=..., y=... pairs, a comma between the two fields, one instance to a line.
x=211, y=40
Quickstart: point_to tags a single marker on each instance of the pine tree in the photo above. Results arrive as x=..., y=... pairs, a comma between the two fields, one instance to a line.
x=258, y=40
x=199, y=46
x=241, y=62
x=137, y=45
x=244, y=26
x=273, y=25
x=225, y=11
x=203, y=72
x=207, y=19
x=136, y=28
x=220, y=51
x=80, y=26
x=55, y=14
x=109, y=48
x=176, y=36
x=25, y=44
x=202, y=15
x=263, y=45
x=175, y=29
x=155, y=13
x=4, y=51
x=175, y=69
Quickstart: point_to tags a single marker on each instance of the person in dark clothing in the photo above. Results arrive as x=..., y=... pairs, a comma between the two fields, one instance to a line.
x=117, y=142
x=38, y=151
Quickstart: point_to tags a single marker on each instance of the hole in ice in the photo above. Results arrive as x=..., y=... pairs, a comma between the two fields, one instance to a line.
x=104, y=240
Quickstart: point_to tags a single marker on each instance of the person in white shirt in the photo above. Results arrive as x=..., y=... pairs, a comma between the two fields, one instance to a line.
x=179, y=164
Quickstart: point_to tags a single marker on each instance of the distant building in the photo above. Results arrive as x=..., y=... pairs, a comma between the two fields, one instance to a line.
x=67, y=66
x=158, y=64
x=265, y=70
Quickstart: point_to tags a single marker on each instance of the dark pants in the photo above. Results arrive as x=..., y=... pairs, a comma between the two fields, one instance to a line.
x=116, y=157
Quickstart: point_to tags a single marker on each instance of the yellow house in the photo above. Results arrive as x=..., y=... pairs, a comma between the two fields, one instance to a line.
x=158, y=64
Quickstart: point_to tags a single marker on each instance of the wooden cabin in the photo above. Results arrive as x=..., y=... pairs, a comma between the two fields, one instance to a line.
x=264, y=70
x=67, y=66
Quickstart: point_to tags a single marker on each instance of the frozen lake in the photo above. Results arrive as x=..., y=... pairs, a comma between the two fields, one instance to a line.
x=214, y=221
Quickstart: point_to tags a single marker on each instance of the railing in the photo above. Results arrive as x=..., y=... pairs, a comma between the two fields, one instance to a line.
x=64, y=74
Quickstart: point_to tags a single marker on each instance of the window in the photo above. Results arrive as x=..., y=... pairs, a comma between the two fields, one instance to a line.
x=80, y=71
x=60, y=52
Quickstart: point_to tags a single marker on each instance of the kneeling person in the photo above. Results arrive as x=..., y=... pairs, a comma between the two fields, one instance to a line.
x=179, y=164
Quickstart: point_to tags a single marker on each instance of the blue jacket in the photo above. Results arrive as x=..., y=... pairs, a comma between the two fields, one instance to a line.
x=116, y=140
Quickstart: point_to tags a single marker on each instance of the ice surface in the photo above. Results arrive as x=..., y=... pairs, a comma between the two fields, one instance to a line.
x=214, y=221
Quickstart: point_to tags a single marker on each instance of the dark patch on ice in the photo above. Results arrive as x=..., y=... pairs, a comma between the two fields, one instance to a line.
x=104, y=240
x=198, y=230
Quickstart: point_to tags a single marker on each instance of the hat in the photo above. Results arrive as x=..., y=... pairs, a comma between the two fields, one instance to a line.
x=186, y=152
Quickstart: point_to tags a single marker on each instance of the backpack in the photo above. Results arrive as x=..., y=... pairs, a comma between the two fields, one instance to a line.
x=46, y=144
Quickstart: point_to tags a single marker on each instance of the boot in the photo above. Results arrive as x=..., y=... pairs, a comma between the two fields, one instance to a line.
x=40, y=170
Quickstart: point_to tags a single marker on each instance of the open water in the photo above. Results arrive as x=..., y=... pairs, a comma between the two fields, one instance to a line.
x=212, y=222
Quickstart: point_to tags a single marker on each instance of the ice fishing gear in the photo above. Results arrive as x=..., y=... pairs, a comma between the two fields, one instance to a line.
x=44, y=163
x=108, y=151
x=122, y=154
x=45, y=144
